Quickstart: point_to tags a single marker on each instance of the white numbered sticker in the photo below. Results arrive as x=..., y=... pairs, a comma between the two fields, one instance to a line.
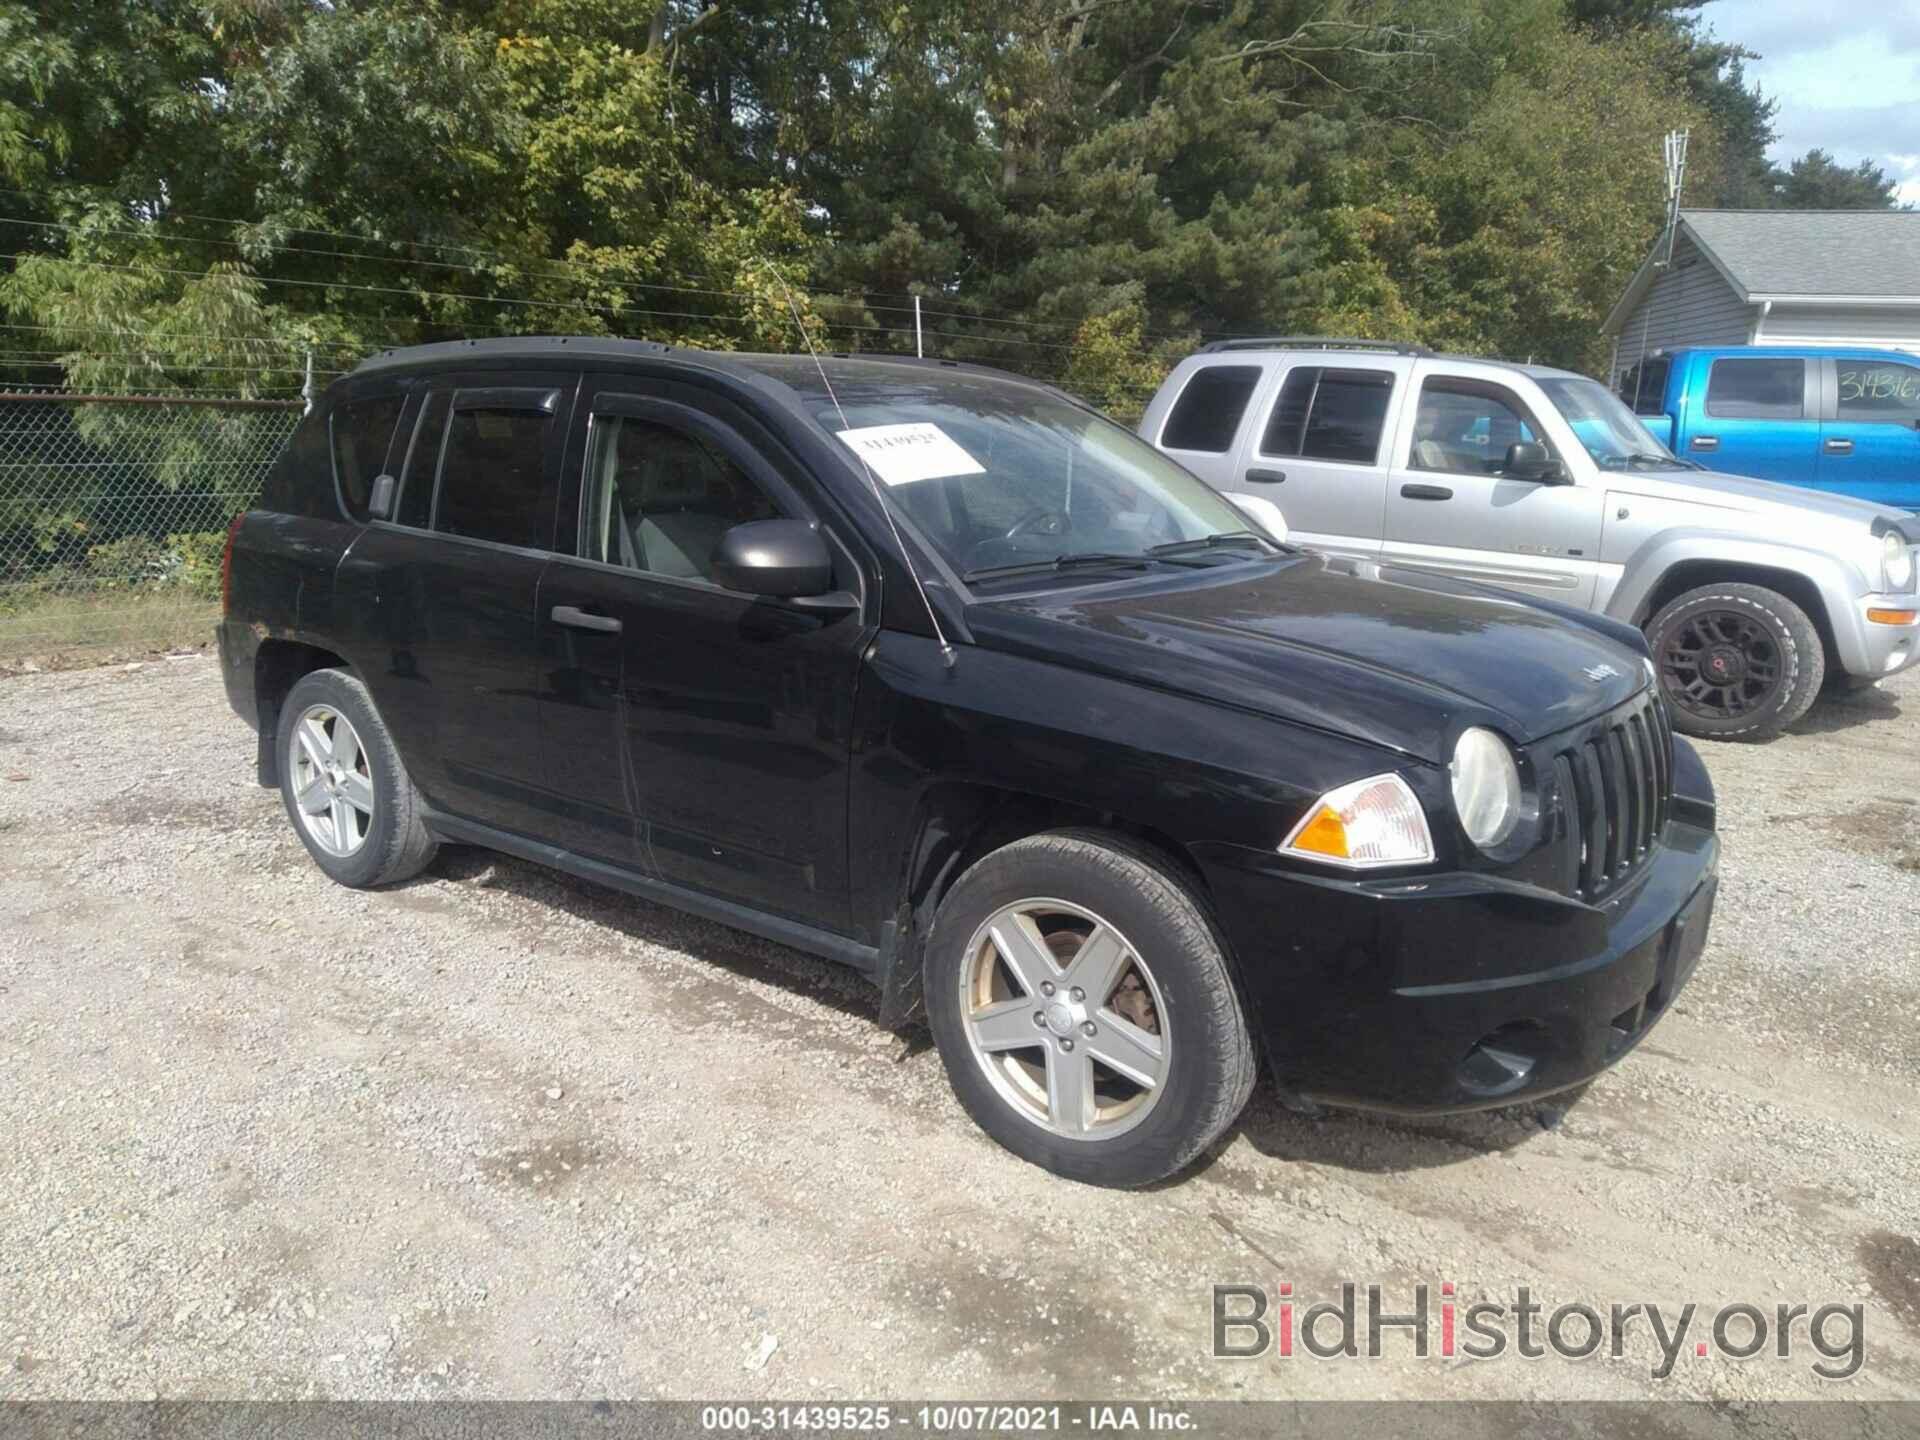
x=902, y=454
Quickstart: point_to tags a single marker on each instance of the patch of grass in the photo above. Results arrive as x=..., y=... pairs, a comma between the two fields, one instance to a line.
x=59, y=632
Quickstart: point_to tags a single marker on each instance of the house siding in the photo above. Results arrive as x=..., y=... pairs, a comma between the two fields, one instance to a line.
x=1897, y=326
x=1689, y=303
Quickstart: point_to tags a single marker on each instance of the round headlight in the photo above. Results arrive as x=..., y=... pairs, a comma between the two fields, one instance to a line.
x=1896, y=561
x=1486, y=787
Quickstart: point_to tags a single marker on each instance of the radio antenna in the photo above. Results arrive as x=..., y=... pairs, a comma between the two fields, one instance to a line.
x=947, y=652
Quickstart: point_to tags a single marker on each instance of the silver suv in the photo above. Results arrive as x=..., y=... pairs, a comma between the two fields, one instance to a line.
x=1751, y=594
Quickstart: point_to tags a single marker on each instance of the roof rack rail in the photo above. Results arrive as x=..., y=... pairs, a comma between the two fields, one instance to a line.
x=1313, y=342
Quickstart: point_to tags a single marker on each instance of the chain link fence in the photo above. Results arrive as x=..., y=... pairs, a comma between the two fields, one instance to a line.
x=113, y=513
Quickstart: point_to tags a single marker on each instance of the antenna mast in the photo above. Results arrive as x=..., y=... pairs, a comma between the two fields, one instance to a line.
x=1674, y=151
x=1675, y=147
x=947, y=652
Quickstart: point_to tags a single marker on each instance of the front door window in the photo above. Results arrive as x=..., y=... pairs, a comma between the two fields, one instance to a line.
x=1464, y=427
x=659, y=498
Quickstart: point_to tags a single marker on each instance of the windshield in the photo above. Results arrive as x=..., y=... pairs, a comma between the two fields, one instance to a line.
x=996, y=476
x=1611, y=433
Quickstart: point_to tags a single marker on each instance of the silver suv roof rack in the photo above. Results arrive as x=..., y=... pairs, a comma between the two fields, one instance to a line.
x=1313, y=342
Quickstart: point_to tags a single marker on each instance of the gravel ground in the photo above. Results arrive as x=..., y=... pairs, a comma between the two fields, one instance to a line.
x=500, y=1133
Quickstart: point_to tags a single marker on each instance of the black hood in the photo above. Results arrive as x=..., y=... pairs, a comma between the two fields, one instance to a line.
x=1393, y=656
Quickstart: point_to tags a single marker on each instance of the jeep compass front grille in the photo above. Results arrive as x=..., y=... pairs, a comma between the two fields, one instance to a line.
x=1616, y=790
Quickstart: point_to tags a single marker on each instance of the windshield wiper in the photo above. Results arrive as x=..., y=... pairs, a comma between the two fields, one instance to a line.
x=1646, y=459
x=1208, y=542
x=1062, y=562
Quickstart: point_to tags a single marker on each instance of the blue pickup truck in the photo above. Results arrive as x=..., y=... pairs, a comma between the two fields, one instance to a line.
x=1847, y=421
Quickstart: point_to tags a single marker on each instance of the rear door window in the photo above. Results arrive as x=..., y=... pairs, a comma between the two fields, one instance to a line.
x=1757, y=389
x=1330, y=414
x=1883, y=391
x=1206, y=417
x=496, y=479
x=361, y=432
x=414, y=505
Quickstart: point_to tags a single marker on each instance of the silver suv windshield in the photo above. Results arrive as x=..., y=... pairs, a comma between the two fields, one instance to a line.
x=1005, y=480
x=1607, y=428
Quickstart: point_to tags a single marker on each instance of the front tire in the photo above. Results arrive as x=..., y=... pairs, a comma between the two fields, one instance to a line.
x=1736, y=661
x=345, y=789
x=1081, y=1002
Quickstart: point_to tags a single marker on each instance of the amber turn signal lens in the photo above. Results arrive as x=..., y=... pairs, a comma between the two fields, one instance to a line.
x=1893, y=617
x=1377, y=821
x=1324, y=834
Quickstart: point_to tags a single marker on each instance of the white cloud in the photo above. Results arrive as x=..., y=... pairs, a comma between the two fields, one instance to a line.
x=1847, y=80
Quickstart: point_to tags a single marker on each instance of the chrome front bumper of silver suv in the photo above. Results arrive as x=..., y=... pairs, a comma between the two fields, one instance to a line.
x=1885, y=635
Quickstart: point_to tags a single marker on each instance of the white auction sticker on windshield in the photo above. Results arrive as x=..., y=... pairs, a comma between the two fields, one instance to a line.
x=902, y=454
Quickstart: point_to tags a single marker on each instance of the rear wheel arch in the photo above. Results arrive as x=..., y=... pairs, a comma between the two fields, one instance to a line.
x=278, y=666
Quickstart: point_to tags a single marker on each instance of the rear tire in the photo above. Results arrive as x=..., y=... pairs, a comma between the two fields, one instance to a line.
x=344, y=786
x=1736, y=661
x=1122, y=1050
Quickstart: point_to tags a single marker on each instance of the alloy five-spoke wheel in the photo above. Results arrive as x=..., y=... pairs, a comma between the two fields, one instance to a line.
x=344, y=785
x=1082, y=1002
x=1063, y=1015
x=332, y=783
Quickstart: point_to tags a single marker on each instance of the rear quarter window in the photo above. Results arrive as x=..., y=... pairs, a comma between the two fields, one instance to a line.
x=1206, y=417
x=362, y=431
x=1644, y=386
x=301, y=480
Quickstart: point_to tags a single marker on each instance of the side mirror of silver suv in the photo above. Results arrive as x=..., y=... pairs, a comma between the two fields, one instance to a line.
x=1529, y=460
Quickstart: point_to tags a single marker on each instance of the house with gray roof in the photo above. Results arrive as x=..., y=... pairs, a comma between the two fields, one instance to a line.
x=1775, y=277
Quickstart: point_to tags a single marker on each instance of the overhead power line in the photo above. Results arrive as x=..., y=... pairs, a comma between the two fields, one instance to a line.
x=567, y=269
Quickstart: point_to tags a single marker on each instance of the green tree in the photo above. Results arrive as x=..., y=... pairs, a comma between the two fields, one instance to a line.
x=1740, y=176
x=1816, y=181
x=1512, y=231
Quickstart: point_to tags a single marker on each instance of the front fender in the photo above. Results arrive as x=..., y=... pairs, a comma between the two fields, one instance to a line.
x=1835, y=580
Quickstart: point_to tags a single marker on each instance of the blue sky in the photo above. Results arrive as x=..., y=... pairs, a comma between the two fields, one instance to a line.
x=1847, y=76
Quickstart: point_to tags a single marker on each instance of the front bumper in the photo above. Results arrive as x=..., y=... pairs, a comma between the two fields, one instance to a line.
x=1458, y=992
x=1884, y=649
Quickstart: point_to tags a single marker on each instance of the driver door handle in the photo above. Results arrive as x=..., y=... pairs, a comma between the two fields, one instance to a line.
x=1266, y=477
x=578, y=619
x=1839, y=447
x=1426, y=492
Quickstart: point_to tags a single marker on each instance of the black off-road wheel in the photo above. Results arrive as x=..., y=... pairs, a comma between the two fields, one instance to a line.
x=1082, y=1004
x=1736, y=661
x=345, y=789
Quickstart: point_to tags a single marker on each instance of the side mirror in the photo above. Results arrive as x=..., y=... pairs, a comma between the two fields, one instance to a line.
x=1263, y=512
x=1529, y=460
x=786, y=559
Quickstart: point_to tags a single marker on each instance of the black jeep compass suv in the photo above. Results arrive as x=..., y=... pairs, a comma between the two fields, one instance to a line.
x=935, y=672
